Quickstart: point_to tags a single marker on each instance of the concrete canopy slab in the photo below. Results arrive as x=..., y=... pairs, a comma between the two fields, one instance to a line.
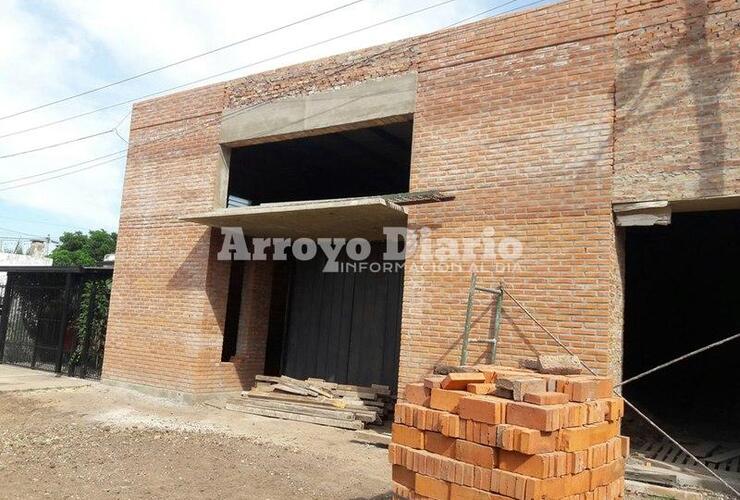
x=344, y=218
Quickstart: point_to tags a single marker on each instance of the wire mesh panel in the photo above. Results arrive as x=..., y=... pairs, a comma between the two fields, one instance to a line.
x=33, y=320
x=55, y=321
x=85, y=357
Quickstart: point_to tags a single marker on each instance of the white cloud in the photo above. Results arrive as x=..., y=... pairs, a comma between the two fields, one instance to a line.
x=51, y=50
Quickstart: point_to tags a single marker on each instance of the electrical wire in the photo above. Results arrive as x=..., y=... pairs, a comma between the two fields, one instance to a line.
x=58, y=144
x=40, y=174
x=227, y=116
x=182, y=61
x=19, y=232
x=113, y=130
x=676, y=360
x=245, y=109
x=82, y=169
x=32, y=221
x=224, y=73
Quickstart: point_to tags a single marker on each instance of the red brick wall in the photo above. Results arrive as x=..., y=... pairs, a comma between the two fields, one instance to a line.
x=677, y=134
x=254, y=321
x=523, y=141
x=165, y=315
x=523, y=118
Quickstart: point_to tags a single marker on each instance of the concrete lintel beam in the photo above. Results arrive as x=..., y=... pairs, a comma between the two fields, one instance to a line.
x=377, y=101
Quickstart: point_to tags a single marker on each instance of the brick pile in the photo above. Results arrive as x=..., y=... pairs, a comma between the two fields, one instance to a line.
x=501, y=433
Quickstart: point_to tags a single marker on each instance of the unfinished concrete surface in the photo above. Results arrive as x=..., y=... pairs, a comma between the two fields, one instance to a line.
x=353, y=218
x=18, y=379
x=311, y=114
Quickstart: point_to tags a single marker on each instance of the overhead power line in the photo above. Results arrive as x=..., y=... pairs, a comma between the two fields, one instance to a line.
x=81, y=169
x=113, y=130
x=121, y=154
x=182, y=61
x=36, y=221
x=40, y=174
x=21, y=233
x=224, y=73
x=58, y=144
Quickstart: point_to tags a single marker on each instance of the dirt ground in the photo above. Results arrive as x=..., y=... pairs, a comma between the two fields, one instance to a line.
x=106, y=442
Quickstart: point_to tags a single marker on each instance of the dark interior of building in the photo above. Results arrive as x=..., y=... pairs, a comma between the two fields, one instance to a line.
x=361, y=162
x=682, y=292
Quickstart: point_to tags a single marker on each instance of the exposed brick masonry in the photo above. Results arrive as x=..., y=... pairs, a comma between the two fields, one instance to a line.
x=536, y=122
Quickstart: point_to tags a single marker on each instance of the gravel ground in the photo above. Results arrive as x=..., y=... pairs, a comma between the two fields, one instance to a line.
x=105, y=442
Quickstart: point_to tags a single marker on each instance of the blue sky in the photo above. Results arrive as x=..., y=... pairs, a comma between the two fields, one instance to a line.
x=52, y=49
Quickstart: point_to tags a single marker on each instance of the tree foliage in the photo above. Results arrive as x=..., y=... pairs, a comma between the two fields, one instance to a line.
x=79, y=249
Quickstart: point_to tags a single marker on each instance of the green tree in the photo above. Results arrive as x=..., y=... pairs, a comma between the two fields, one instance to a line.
x=79, y=249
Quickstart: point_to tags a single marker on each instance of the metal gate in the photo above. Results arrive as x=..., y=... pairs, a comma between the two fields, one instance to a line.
x=55, y=320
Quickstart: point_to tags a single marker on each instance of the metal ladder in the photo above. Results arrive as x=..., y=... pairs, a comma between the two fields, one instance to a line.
x=493, y=338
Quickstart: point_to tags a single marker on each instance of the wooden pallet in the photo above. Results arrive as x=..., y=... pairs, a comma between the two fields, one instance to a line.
x=721, y=457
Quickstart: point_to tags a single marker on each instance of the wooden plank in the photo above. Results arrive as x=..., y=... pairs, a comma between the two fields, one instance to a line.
x=326, y=411
x=298, y=408
x=665, y=448
x=369, y=396
x=645, y=446
x=372, y=437
x=650, y=475
x=673, y=467
x=284, y=415
x=290, y=389
x=655, y=491
x=322, y=383
x=723, y=456
x=305, y=385
x=649, y=217
x=630, y=207
x=671, y=457
x=317, y=402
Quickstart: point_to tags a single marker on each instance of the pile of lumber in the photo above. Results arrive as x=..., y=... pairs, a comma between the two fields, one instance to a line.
x=316, y=401
x=660, y=462
x=499, y=432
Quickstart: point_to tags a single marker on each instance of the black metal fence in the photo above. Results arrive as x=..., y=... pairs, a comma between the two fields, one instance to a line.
x=55, y=320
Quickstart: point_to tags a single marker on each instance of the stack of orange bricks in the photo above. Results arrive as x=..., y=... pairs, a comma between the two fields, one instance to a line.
x=501, y=433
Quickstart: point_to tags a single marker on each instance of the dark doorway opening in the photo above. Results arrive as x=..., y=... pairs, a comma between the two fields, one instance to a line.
x=362, y=162
x=682, y=292
x=233, y=307
x=278, y=320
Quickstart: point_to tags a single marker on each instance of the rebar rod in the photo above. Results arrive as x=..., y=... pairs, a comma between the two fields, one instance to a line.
x=676, y=360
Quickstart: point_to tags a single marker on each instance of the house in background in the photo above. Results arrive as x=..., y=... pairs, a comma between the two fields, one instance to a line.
x=33, y=255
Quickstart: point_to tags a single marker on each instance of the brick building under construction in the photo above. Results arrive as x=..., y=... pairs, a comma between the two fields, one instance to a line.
x=601, y=134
